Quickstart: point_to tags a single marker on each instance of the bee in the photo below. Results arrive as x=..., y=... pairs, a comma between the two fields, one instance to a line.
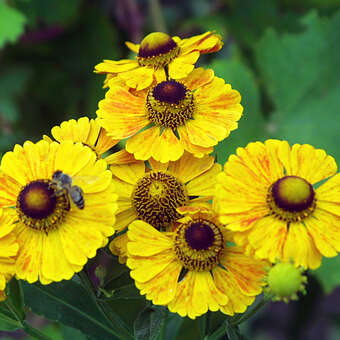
x=62, y=182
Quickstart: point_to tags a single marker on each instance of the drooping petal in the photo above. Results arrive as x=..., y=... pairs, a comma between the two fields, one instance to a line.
x=300, y=248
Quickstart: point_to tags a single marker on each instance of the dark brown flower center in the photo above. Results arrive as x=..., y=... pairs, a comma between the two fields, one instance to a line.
x=156, y=197
x=170, y=104
x=40, y=207
x=198, y=244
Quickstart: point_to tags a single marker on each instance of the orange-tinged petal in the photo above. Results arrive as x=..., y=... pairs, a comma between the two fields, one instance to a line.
x=189, y=167
x=143, y=144
x=198, y=77
x=307, y=162
x=325, y=231
x=161, y=289
x=120, y=157
x=196, y=150
x=237, y=301
x=121, y=113
x=268, y=236
x=248, y=272
x=300, y=247
x=196, y=294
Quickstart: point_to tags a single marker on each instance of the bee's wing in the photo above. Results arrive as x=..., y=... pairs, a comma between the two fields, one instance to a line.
x=81, y=180
x=92, y=183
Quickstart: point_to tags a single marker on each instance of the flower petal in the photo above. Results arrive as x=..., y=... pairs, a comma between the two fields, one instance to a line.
x=300, y=247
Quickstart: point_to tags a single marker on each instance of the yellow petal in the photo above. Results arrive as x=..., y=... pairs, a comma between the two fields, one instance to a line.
x=189, y=167
x=204, y=185
x=325, y=231
x=309, y=163
x=129, y=173
x=268, y=236
x=300, y=247
x=145, y=240
x=161, y=289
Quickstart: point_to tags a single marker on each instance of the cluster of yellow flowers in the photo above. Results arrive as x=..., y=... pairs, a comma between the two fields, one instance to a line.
x=195, y=237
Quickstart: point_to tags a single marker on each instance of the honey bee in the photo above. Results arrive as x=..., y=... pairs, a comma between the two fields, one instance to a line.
x=63, y=182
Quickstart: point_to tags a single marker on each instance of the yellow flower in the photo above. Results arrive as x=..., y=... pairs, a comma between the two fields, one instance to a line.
x=266, y=195
x=192, y=270
x=8, y=249
x=156, y=51
x=57, y=232
x=192, y=115
x=89, y=133
x=154, y=193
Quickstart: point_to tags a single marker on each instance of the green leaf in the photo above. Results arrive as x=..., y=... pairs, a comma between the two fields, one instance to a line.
x=50, y=11
x=7, y=320
x=149, y=323
x=68, y=303
x=328, y=273
x=300, y=73
x=251, y=124
x=15, y=297
x=126, y=292
x=11, y=23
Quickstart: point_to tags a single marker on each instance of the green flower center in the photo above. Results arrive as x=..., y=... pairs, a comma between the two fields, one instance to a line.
x=157, y=50
x=291, y=198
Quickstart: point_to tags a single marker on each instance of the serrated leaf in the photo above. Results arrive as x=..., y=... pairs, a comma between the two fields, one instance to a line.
x=328, y=273
x=149, y=323
x=11, y=23
x=251, y=124
x=68, y=303
x=301, y=75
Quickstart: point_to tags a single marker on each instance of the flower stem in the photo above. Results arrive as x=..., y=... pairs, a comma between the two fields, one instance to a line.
x=246, y=316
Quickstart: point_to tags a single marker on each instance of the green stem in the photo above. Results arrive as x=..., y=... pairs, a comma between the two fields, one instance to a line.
x=157, y=16
x=110, y=316
x=251, y=313
x=221, y=331
x=26, y=327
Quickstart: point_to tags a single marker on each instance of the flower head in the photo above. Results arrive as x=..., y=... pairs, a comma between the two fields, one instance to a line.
x=285, y=281
x=153, y=193
x=90, y=133
x=267, y=195
x=191, y=269
x=57, y=234
x=193, y=114
x=156, y=51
